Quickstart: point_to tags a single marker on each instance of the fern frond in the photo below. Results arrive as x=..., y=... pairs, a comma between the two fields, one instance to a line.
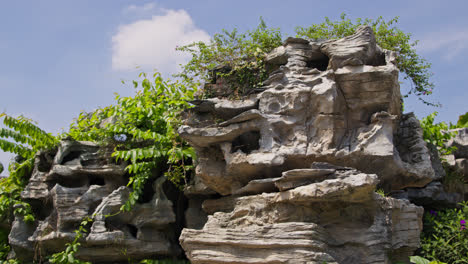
x=20, y=138
x=25, y=126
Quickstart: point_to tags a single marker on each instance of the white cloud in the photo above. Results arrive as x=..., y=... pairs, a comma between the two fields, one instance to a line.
x=451, y=43
x=151, y=43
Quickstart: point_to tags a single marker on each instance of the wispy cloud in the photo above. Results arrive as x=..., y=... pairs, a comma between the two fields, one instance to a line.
x=450, y=43
x=139, y=9
x=151, y=43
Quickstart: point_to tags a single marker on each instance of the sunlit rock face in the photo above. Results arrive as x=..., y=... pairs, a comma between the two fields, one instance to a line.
x=82, y=180
x=299, y=159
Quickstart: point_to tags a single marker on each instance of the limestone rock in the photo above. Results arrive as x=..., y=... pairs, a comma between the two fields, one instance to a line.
x=355, y=50
x=460, y=141
x=336, y=220
x=431, y=196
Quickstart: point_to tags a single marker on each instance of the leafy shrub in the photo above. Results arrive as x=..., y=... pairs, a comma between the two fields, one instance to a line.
x=143, y=131
x=242, y=54
x=437, y=134
x=415, y=68
x=445, y=235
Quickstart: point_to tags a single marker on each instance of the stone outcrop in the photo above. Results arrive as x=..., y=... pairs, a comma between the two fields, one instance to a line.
x=458, y=160
x=298, y=161
x=82, y=180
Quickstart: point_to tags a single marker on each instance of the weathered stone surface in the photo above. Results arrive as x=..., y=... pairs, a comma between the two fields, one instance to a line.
x=335, y=105
x=337, y=220
x=82, y=180
x=349, y=115
x=355, y=50
x=460, y=141
x=431, y=196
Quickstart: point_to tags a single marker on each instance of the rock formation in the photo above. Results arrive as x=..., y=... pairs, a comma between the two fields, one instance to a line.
x=298, y=162
x=286, y=173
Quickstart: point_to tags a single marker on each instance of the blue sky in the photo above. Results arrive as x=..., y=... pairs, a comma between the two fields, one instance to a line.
x=60, y=57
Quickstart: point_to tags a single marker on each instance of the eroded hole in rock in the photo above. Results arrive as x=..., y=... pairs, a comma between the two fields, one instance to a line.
x=72, y=157
x=133, y=230
x=319, y=64
x=148, y=192
x=41, y=210
x=247, y=142
x=73, y=182
x=378, y=60
x=95, y=180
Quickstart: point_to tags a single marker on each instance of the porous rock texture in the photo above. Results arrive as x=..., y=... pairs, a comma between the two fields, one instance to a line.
x=82, y=180
x=298, y=161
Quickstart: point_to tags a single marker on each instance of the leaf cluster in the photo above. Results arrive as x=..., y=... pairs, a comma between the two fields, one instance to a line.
x=415, y=68
x=443, y=236
x=242, y=54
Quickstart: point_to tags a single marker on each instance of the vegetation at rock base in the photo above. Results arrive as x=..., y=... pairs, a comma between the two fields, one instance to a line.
x=445, y=235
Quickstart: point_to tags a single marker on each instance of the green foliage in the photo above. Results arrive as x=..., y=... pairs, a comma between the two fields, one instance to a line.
x=445, y=235
x=68, y=255
x=381, y=192
x=242, y=53
x=436, y=134
x=421, y=260
x=143, y=131
x=415, y=68
x=4, y=246
x=27, y=139
x=462, y=121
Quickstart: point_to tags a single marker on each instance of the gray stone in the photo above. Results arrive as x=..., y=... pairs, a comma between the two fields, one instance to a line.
x=338, y=220
x=349, y=115
x=431, y=196
x=460, y=141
